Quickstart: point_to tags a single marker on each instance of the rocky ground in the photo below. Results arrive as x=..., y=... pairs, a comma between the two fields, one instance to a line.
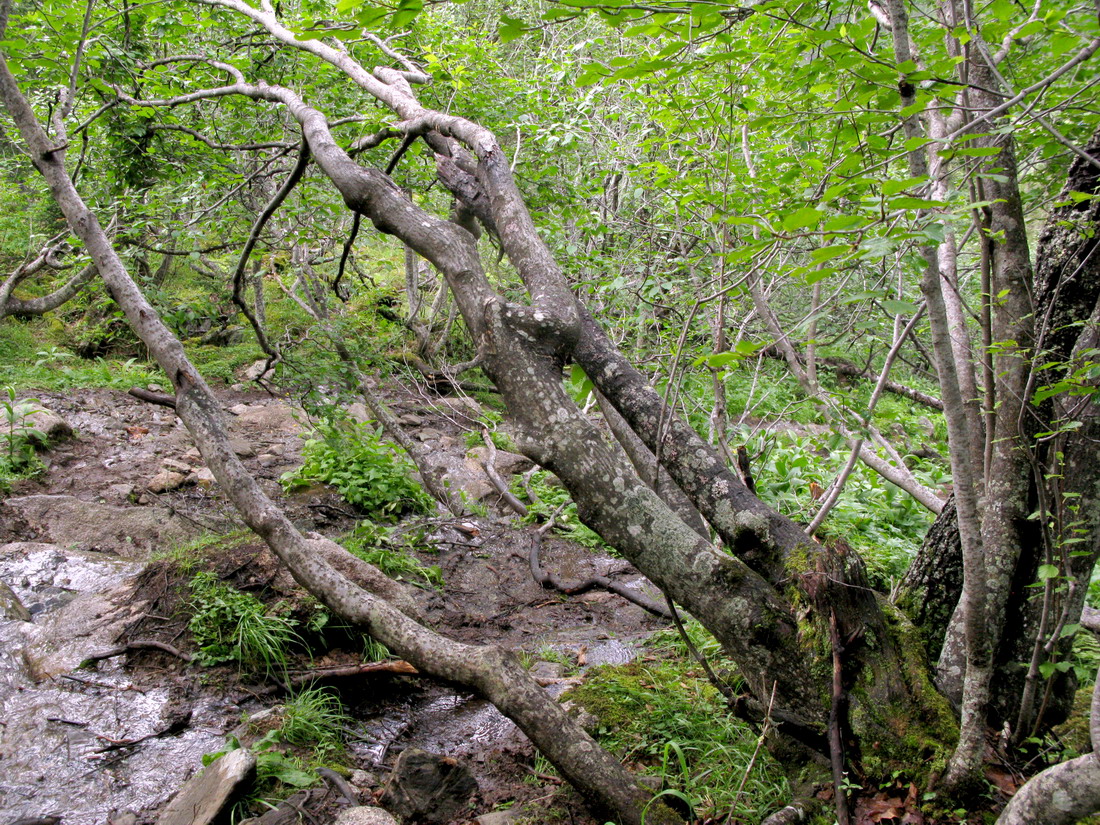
x=114, y=742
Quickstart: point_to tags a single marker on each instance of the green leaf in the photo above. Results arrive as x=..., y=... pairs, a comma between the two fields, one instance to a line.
x=510, y=29
x=827, y=253
x=805, y=218
x=899, y=307
x=1047, y=571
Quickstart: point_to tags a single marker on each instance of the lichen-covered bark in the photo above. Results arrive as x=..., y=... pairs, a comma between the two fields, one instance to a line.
x=933, y=582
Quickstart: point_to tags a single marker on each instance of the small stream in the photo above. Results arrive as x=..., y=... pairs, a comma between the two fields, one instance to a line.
x=63, y=735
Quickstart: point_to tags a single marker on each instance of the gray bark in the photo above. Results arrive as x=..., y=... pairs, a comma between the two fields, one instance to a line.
x=492, y=672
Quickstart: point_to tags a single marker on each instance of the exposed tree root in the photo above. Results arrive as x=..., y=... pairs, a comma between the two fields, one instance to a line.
x=552, y=582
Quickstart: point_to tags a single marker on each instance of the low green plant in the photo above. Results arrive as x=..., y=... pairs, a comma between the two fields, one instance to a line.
x=19, y=439
x=231, y=626
x=544, y=498
x=388, y=549
x=663, y=716
x=366, y=470
x=314, y=717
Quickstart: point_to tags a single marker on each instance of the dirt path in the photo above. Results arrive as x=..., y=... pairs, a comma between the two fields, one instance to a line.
x=109, y=501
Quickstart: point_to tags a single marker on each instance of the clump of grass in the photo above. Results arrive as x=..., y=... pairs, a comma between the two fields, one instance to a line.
x=387, y=548
x=669, y=720
x=314, y=717
x=231, y=626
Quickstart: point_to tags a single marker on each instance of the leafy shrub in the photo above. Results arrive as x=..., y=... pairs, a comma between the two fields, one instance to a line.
x=231, y=626
x=387, y=548
x=364, y=469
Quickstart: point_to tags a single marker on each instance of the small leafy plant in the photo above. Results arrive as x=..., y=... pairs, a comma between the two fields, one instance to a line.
x=544, y=498
x=364, y=469
x=231, y=626
x=18, y=439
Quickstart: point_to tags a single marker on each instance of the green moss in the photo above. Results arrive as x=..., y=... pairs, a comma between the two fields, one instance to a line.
x=663, y=717
x=912, y=736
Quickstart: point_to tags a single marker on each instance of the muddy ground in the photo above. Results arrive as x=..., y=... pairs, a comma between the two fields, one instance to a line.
x=80, y=548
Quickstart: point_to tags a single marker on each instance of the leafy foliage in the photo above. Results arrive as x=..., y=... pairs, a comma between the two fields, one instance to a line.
x=366, y=470
x=19, y=439
x=229, y=625
x=544, y=496
x=388, y=549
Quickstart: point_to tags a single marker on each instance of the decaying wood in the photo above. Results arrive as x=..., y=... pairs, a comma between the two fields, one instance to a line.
x=136, y=644
x=518, y=507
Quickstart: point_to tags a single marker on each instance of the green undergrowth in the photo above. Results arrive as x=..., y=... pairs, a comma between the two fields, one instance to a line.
x=880, y=521
x=19, y=439
x=306, y=734
x=662, y=717
x=546, y=495
x=231, y=626
x=364, y=469
x=389, y=548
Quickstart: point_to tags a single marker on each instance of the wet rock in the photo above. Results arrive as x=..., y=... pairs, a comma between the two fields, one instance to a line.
x=364, y=815
x=131, y=532
x=50, y=424
x=428, y=787
x=201, y=800
x=10, y=605
x=165, y=481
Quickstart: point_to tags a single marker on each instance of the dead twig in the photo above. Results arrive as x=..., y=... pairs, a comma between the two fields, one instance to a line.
x=490, y=470
x=137, y=644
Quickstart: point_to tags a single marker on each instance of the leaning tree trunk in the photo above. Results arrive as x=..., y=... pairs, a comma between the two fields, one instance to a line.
x=316, y=563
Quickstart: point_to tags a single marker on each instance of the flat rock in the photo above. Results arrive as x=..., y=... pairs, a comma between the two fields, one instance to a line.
x=205, y=795
x=277, y=417
x=242, y=447
x=500, y=817
x=204, y=477
x=428, y=788
x=175, y=465
x=506, y=463
x=256, y=371
x=131, y=532
x=359, y=412
x=364, y=815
